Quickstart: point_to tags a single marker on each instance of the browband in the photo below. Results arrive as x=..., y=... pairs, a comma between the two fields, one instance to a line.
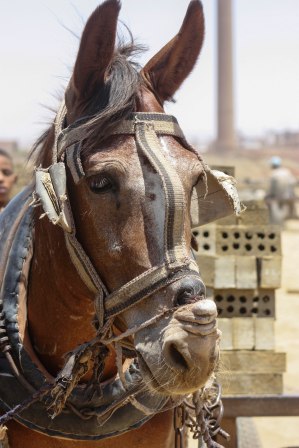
x=163, y=124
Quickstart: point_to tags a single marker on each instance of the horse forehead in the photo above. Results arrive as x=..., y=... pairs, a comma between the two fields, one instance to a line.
x=122, y=152
x=185, y=162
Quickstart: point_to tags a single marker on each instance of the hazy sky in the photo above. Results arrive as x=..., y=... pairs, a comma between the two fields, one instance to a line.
x=37, y=54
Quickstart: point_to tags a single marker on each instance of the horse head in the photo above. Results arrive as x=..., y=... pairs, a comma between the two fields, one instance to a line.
x=130, y=175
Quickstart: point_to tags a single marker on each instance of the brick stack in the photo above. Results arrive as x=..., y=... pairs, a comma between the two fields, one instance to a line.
x=240, y=263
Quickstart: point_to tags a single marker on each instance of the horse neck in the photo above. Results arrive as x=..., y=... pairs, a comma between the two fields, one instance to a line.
x=60, y=307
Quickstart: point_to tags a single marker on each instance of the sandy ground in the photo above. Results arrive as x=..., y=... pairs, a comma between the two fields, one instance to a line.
x=283, y=432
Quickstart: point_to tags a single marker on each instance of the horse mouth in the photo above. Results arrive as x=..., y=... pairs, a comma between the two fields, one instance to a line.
x=151, y=381
x=181, y=368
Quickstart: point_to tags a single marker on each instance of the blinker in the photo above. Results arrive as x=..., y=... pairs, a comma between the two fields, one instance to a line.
x=214, y=199
x=50, y=187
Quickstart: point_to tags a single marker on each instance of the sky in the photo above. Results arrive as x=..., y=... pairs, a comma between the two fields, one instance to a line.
x=37, y=54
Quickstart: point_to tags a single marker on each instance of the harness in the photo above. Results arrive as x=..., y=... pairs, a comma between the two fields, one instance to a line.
x=94, y=411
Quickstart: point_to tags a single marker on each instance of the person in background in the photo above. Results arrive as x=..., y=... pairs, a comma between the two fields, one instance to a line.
x=281, y=196
x=8, y=178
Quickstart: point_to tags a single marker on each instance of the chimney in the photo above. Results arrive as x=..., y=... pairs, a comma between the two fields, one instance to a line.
x=226, y=138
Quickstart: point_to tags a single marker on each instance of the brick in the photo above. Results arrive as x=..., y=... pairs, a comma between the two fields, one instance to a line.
x=243, y=333
x=256, y=213
x=205, y=237
x=270, y=272
x=227, y=240
x=247, y=333
x=253, y=361
x=244, y=302
x=227, y=221
x=264, y=334
x=254, y=240
x=206, y=265
x=254, y=217
x=246, y=272
x=257, y=240
x=217, y=272
x=225, y=272
x=226, y=342
x=240, y=383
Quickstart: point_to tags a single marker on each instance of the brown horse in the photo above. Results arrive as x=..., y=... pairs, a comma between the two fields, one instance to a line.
x=131, y=212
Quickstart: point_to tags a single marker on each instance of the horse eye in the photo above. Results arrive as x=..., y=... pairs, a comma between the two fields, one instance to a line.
x=101, y=184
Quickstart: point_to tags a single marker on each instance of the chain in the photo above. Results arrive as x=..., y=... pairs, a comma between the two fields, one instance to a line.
x=202, y=415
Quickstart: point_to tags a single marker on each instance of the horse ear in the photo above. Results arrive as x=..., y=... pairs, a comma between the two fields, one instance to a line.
x=96, y=49
x=172, y=64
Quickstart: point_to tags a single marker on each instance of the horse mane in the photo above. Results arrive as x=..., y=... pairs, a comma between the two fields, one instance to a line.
x=112, y=103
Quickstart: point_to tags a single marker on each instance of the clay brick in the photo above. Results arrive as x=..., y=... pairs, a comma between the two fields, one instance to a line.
x=246, y=272
x=225, y=272
x=240, y=383
x=244, y=302
x=217, y=272
x=243, y=333
x=264, y=334
x=206, y=265
x=227, y=221
x=226, y=342
x=205, y=237
x=254, y=240
x=256, y=213
x=254, y=217
x=270, y=272
x=253, y=361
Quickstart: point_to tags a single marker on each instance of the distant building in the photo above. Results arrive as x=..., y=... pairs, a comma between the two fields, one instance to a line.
x=271, y=139
x=286, y=138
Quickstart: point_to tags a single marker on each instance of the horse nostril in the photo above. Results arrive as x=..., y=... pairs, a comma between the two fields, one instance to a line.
x=185, y=297
x=176, y=354
x=177, y=357
x=190, y=291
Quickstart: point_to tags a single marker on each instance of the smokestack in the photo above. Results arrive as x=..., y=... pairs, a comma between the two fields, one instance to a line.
x=226, y=138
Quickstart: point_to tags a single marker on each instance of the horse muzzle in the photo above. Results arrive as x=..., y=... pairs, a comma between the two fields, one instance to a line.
x=179, y=356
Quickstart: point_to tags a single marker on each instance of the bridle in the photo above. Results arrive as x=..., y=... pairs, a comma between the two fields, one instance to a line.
x=178, y=263
x=51, y=192
x=51, y=189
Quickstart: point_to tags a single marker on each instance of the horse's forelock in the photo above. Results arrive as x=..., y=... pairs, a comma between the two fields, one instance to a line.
x=112, y=103
x=116, y=99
